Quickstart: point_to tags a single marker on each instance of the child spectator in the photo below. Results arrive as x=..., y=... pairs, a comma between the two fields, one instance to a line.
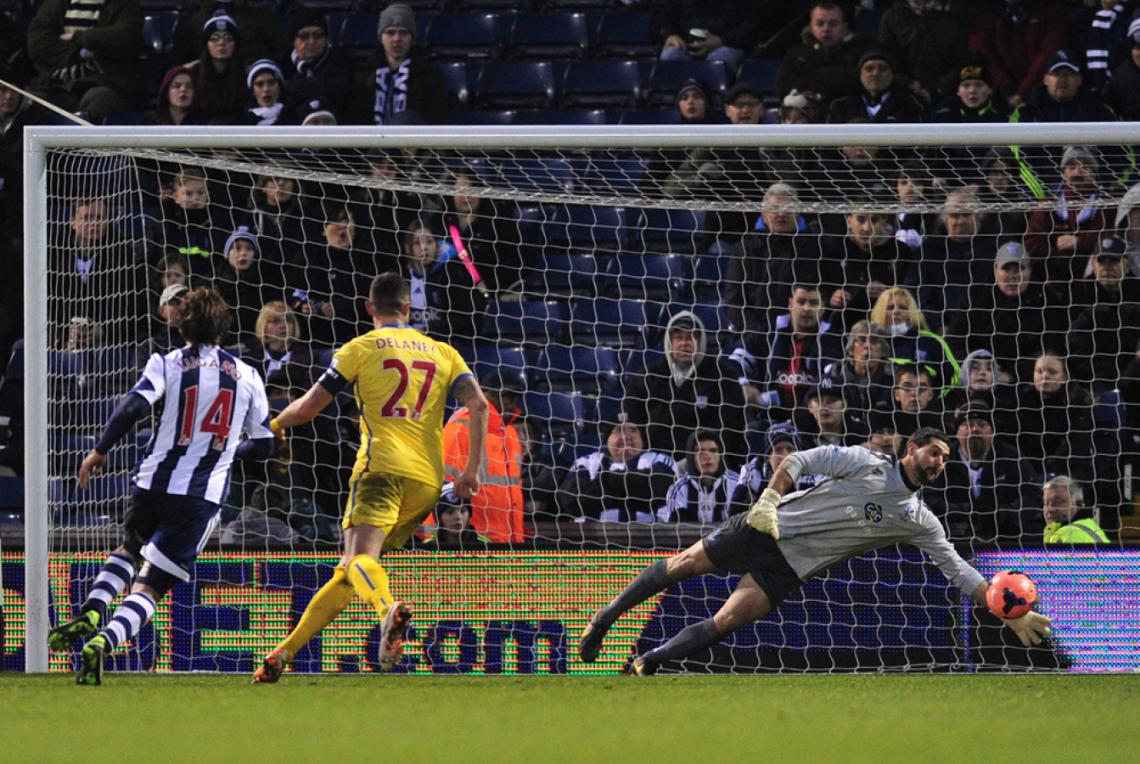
x=1055, y=424
x=266, y=88
x=703, y=494
x=177, y=100
x=445, y=303
x=186, y=225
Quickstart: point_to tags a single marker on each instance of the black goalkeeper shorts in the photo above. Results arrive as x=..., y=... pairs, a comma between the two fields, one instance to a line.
x=739, y=548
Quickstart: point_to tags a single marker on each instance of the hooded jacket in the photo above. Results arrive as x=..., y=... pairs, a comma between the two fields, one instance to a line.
x=670, y=402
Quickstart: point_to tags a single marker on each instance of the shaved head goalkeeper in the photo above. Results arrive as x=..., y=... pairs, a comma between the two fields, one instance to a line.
x=867, y=501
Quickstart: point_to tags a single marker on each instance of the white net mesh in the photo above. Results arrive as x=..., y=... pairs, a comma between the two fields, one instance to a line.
x=668, y=322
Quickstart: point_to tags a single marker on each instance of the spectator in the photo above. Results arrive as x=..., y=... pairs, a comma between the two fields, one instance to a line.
x=445, y=304
x=329, y=282
x=1128, y=226
x=16, y=113
x=881, y=98
x=950, y=264
x=219, y=72
x=744, y=104
x=702, y=494
x=781, y=441
x=911, y=340
x=852, y=172
x=1107, y=42
x=760, y=269
x=973, y=99
x=1060, y=97
x=246, y=281
x=913, y=185
x=685, y=391
x=1106, y=335
x=263, y=34
x=266, y=86
x=827, y=60
x=798, y=108
x=865, y=373
x=884, y=438
x=1055, y=424
x=864, y=263
x=386, y=213
x=497, y=511
x=1123, y=90
x=489, y=232
x=278, y=345
x=687, y=172
x=400, y=78
x=171, y=269
x=829, y=422
x=284, y=215
x=1068, y=520
x=164, y=334
x=982, y=379
x=779, y=366
x=620, y=482
x=177, y=100
x=186, y=224
x=1010, y=299
x=1015, y=40
x=453, y=530
x=1060, y=240
x=712, y=30
x=926, y=37
x=314, y=69
x=915, y=404
x=799, y=166
x=985, y=495
x=1005, y=186
x=85, y=56
x=735, y=173
x=316, y=112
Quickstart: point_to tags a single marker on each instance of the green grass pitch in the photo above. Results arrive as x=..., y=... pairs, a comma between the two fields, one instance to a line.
x=715, y=719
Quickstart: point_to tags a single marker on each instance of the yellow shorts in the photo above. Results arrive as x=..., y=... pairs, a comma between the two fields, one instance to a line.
x=393, y=503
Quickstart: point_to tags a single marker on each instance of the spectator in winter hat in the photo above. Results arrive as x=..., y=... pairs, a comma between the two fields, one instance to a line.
x=400, y=78
x=314, y=68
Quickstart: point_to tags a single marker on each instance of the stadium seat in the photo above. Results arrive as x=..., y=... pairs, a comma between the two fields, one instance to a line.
x=761, y=73
x=423, y=6
x=152, y=6
x=667, y=77
x=158, y=34
x=625, y=35
x=563, y=117
x=493, y=117
x=645, y=276
x=676, y=231
x=585, y=369
x=539, y=175
x=589, y=228
x=612, y=322
x=565, y=274
x=490, y=358
x=489, y=5
x=11, y=492
x=563, y=412
x=710, y=274
x=712, y=315
x=649, y=117
x=548, y=35
x=601, y=84
x=355, y=32
x=455, y=73
x=530, y=322
x=617, y=175
x=515, y=85
x=464, y=35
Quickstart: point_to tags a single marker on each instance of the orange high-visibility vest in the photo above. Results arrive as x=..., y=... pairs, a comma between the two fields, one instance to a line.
x=497, y=510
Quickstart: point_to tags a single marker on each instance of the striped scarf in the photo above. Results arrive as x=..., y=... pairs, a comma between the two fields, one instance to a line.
x=391, y=92
x=82, y=15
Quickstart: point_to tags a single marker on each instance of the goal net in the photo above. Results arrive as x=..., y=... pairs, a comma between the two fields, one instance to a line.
x=659, y=317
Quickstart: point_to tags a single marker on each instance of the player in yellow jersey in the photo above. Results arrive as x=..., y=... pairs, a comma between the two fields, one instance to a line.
x=401, y=379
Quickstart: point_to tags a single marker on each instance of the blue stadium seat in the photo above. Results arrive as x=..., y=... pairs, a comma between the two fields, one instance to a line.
x=464, y=35
x=619, y=175
x=713, y=315
x=152, y=6
x=649, y=117
x=563, y=117
x=455, y=73
x=585, y=369
x=492, y=117
x=158, y=34
x=710, y=275
x=645, y=276
x=601, y=84
x=515, y=85
x=548, y=35
x=490, y=358
x=489, y=5
x=612, y=322
x=105, y=497
x=677, y=231
x=329, y=6
x=587, y=227
x=761, y=73
x=422, y=6
x=565, y=274
x=539, y=175
x=625, y=35
x=563, y=412
x=356, y=32
x=531, y=322
x=11, y=492
x=667, y=77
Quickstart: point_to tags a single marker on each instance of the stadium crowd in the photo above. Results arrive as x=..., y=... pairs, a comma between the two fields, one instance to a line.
x=641, y=365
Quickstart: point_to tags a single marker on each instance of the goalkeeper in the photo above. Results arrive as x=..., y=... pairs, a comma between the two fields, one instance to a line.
x=865, y=501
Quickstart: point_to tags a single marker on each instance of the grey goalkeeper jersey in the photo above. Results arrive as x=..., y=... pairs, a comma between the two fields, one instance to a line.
x=863, y=502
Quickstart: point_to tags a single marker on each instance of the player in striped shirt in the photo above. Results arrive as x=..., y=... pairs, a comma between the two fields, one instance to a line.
x=401, y=379
x=864, y=501
x=210, y=401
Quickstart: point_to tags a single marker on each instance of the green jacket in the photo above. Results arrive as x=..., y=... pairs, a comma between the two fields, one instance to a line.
x=1084, y=531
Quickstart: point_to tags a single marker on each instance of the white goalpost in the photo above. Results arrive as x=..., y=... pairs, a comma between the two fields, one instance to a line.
x=567, y=262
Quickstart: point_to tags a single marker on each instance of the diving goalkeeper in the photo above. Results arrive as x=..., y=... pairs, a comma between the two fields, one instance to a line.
x=866, y=501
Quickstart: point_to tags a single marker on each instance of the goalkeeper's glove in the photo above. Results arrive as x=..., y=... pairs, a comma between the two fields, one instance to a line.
x=762, y=516
x=1030, y=628
x=277, y=429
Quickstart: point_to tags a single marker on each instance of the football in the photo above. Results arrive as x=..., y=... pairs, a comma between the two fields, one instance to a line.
x=1011, y=594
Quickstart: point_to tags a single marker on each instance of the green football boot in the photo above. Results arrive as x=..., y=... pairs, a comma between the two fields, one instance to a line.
x=91, y=662
x=64, y=638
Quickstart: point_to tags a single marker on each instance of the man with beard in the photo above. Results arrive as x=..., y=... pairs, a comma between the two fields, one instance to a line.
x=788, y=538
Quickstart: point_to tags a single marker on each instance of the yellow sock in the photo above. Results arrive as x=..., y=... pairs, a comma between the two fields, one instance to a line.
x=370, y=581
x=326, y=604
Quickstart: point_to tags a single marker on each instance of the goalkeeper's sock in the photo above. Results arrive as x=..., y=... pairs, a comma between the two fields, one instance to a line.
x=114, y=578
x=647, y=583
x=370, y=581
x=137, y=609
x=325, y=605
x=688, y=641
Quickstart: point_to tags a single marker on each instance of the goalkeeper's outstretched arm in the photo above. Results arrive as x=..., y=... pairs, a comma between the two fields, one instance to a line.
x=1030, y=628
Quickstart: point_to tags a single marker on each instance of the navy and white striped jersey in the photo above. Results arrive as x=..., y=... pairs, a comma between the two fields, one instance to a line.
x=689, y=501
x=210, y=399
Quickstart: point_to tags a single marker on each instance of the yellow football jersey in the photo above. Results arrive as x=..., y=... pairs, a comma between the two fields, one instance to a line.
x=401, y=379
